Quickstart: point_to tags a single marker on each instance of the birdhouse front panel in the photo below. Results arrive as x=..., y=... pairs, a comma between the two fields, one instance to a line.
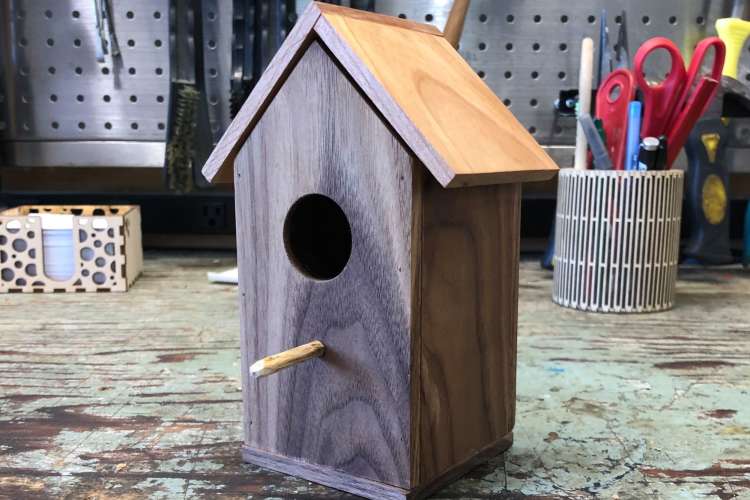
x=324, y=210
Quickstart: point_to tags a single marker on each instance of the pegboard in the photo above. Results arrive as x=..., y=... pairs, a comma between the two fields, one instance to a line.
x=106, y=252
x=60, y=92
x=529, y=50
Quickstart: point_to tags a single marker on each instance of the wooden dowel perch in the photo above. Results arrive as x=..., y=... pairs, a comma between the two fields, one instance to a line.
x=285, y=359
x=454, y=26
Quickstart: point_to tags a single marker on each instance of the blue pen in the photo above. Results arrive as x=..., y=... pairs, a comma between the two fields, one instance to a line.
x=634, y=136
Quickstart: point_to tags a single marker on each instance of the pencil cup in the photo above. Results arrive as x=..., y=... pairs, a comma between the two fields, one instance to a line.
x=617, y=238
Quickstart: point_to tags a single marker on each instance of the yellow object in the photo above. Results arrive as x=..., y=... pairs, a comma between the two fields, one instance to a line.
x=711, y=143
x=733, y=32
x=714, y=199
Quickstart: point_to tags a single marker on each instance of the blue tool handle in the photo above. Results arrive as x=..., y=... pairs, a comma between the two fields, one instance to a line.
x=707, y=199
x=633, y=140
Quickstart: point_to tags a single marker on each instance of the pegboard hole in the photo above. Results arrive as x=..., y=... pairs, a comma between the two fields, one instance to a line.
x=212, y=16
x=402, y=16
x=79, y=70
x=131, y=71
x=130, y=14
x=533, y=103
x=534, y=75
x=55, y=125
x=212, y=44
x=563, y=47
x=81, y=125
x=509, y=46
x=672, y=20
x=159, y=71
x=646, y=20
x=31, y=270
x=80, y=98
x=481, y=74
x=482, y=18
x=53, y=97
x=532, y=130
x=160, y=98
x=510, y=18
x=482, y=46
x=561, y=75
x=700, y=20
x=134, y=125
x=563, y=19
x=591, y=19
x=507, y=102
x=131, y=43
x=50, y=42
x=157, y=43
x=105, y=70
x=508, y=75
x=75, y=14
x=536, y=47
x=429, y=18
x=157, y=15
x=317, y=237
x=51, y=70
x=100, y=262
x=7, y=274
x=106, y=98
x=48, y=14
x=213, y=72
x=537, y=18
x=108, y=126
x=99, y=278
x=77, y=42
x=134, y=98
x=22, y=42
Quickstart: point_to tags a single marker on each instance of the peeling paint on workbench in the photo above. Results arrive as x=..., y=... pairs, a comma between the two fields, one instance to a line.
x=137, y=394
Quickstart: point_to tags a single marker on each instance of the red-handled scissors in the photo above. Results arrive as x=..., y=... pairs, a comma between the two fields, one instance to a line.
x=612, y=100
x=672, y=106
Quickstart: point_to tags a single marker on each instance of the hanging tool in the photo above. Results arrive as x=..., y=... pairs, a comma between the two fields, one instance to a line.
x=707, y=199
x=243, y=40
x=184, y=101
x=734, y=32
x=584, y=100
x=612, y=102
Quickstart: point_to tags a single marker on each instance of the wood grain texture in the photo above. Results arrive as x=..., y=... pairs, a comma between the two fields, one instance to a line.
x=349, y=410
x=433, y=99
x=218, y=167
x=468, y=310
x=449, y=117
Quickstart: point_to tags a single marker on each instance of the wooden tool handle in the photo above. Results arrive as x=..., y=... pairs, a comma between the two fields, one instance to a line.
x=454, y=26
x=285, y=359
x=585, y=78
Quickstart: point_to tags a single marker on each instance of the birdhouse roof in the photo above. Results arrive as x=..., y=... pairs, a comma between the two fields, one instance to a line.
x=422, y=87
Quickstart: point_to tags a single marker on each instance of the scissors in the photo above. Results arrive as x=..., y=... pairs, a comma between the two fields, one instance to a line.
x=612, y=101
x=674, y=105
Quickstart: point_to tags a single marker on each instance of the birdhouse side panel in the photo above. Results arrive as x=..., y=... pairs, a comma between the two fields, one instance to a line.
x=469, y=309
x=319, y=160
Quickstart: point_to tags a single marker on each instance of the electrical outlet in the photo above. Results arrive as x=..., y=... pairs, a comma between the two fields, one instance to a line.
x=213, y=216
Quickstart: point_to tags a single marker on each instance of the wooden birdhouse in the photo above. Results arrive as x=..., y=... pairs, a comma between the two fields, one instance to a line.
x=378, y=186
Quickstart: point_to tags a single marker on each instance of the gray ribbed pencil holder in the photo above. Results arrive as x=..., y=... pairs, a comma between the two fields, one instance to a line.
x=617, y=240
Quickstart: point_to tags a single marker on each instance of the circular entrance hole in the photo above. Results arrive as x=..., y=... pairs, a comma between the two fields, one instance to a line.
x=317, y=237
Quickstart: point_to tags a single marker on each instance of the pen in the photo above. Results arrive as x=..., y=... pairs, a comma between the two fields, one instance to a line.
x=633, y=137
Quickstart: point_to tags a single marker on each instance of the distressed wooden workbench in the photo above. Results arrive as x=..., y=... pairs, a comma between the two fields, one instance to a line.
x=137, y=394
